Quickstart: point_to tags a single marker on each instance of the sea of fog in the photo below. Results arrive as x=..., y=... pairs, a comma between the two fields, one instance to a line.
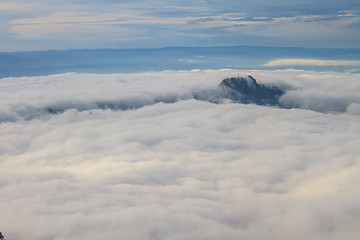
x=138, y=156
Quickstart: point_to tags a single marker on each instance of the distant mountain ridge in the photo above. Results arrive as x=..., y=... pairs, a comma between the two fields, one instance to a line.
x=40, y=63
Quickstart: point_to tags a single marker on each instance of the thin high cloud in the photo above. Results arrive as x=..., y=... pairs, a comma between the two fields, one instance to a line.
x=229, y=22
x=155, y=24
x=186, y=170
x=14, y=6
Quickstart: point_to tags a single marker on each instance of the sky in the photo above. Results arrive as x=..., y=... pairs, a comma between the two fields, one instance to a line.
x=42, y=25
x=188, y=169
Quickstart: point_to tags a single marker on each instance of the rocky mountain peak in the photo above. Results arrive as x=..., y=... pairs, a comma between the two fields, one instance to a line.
x=247, y=90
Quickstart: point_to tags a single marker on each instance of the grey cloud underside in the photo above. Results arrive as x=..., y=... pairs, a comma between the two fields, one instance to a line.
x=242, y=90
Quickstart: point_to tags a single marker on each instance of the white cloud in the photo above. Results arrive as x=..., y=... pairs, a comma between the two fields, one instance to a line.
x=311, y=62
x=187, y=170
x=353, y=108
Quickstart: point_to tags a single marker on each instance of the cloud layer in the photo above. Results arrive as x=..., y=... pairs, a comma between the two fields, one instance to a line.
x=312, y=62
x=184, y=170
x=26, y=98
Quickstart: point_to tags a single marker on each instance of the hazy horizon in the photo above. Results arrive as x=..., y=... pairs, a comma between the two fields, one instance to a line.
x=40, y=63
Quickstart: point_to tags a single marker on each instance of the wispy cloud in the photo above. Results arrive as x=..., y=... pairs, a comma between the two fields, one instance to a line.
x=89, y=23
x=177, y=21
x=317, y=30
x=11, y=6
x=80, y=24
x=297, y=28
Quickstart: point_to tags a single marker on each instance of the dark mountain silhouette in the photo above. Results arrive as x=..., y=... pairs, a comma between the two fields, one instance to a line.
x=247, y=90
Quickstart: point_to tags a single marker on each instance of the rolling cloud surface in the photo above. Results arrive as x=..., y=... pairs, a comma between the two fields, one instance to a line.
x=136, y=156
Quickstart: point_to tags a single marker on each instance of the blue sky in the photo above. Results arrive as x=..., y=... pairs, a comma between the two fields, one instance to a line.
x=41, y=24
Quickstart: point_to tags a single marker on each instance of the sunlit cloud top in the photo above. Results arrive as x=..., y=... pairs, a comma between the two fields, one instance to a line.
x=29, y=25
x=312, y=62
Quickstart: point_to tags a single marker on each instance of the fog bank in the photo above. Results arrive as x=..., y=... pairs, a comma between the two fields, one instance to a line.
x=188, y=169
